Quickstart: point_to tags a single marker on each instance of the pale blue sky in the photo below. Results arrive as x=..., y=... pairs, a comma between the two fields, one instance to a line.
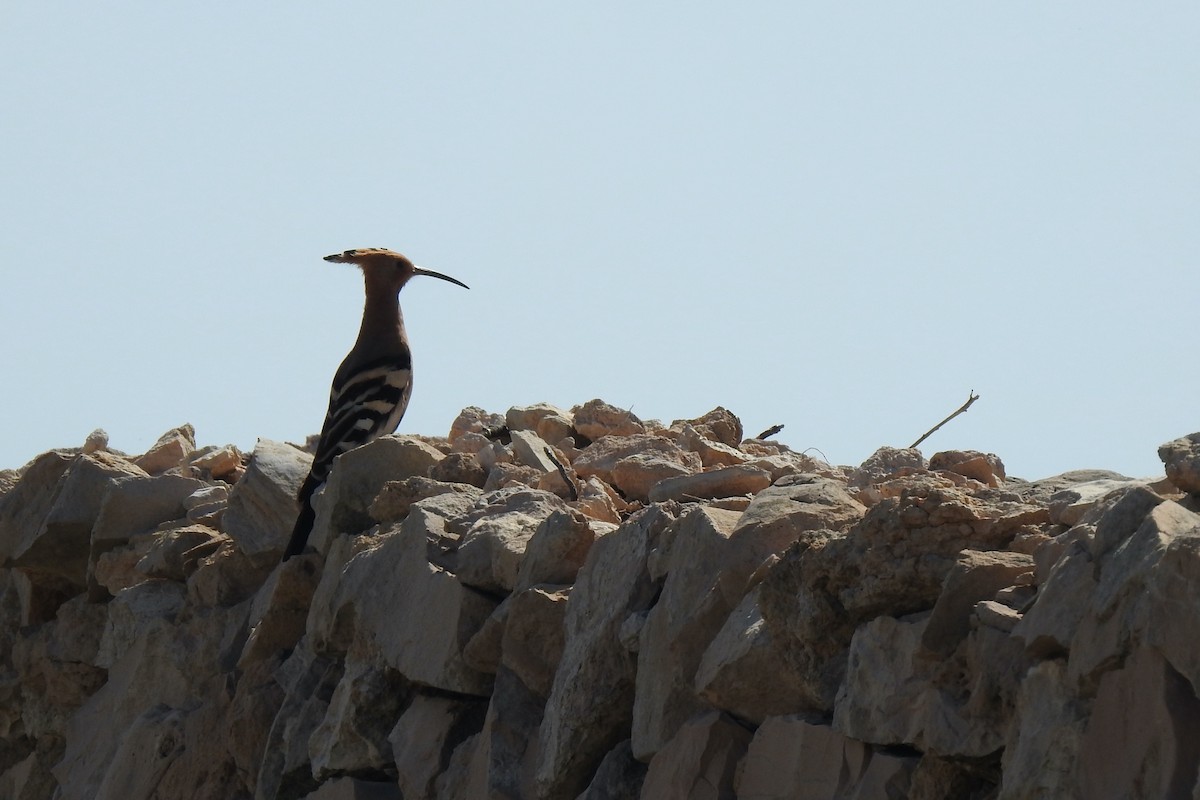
x=841, y=218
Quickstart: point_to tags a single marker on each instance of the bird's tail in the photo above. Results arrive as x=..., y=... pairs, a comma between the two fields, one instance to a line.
x=305, y=519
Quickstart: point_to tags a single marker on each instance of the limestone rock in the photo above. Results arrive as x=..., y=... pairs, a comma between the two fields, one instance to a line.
x=596, y=418
x=722, y=482
x=987, y=468
x=700, y=760
x=226, y=576
x=425, y=737
x=175, y=553
x=262, y=507
x=490, y=554
x=396, y=497
x=712, y=453
x=790, y=756
x=415, y=617
x=1042, y=750
x=599, y=501
x=530, y=450
x=280, y=609
x=1140, y=740
x=549, y=422
x=533, y=636
x=885, y=463
x=1181, y=457
x=691, y=610
x=459, y=468
x=355, y=789
x=96, y=440
x=558, y=548
x=719, y=425
x=975, y=577
x=634, y=464
x=473, y=420
x=353, y=736
x=23, y=508
x=1067, y=506
x=590, y=707
x=619, y=776
x=221, y=463
x=356, y=479
x=169, y=451
x=743, y=672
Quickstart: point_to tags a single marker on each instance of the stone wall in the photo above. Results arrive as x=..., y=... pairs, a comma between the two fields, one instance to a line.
x=581, y=604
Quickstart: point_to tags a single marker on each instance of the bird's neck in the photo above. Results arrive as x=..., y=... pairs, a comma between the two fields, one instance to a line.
x=382, y=322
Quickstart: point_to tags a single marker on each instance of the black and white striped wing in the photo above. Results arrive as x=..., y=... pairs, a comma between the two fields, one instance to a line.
x=364, y=405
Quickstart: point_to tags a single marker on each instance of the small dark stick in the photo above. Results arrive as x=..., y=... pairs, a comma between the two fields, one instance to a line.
x=769, y=432
x=971, y=398
x=563, y=472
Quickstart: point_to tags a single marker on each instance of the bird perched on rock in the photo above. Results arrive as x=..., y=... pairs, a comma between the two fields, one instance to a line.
x=372, y=386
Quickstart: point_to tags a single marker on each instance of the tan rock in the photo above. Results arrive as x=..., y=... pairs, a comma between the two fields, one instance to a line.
x=459, y=468
x=355, y=789
x=680, y=626
x=356, y=479
x=207, y=506
x=96, y=440
x=1140, y=738
x=530, y=450
x=473, y=420
x=425, y=738
x=558, y=548
x=225, y=577
x=532, y=645
x=58, y=546
x=699, y=761
x=976, y=577
x=490, y=554
x=596, y=419
x=396, y=497
x=414, y=616
x=987, y=468
x=600, y=501
x=280, y=609
x=636, y=475
x=1048, y=627
x=511, y=476
x=1068, y=506
x=169, y=451
x=1181, y=457
x=484, y=650
x=175, y=553
x=722, y=482
x=719, y=425
x=262, y=507
x=353, y=736
x=591, y=701
x=712, y=453
x=1042, y=749
x=220, y=463
x=549, y=422
x=743, y=672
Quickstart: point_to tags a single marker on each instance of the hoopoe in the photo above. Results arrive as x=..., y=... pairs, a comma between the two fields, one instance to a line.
x=371, y=387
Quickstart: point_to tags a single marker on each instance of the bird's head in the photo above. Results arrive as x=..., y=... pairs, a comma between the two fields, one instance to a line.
x=387, y=266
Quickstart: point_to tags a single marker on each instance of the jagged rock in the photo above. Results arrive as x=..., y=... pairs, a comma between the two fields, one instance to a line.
x=790, y=756
x=1140, y=739
x=490, y=554
x=169, y=451
x=207, y=506
x=599, y=501
x=175, y=553
x=533, y=636
x=693, y=606
x=262, y=507
x=280, y=609
x=712, y=453
x=1181, y=457
x=719, y=425
x=459, y=468
x=1042, y=749
x=1067, y=506
x=987, y=468
x=473, y=419
x=484, y=650
x=700, y=760
x=633, y=464
x=59, y=545
x=549, y=422
x=530, y=450
x=940, y=778
x=221, y=463
x=353, y=736
x=511, y=476
x=596, y=419
x=396, y=497
x=590, y=707
x=425, y=737
x=976, y=576
x=1049, y=625
x=23, y=508
x=226, y=576
x=886, y=463
x=558, y=548
x=722, y=482
x=96, y=440
x=135, y=505
x=743, y=672
x=308, y=681
x=252, y=709
x=619, y=776
x=785, y=512
x=357, y=477
x=413, y=617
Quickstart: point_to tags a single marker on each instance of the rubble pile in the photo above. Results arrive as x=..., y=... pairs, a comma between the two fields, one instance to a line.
x=563, y=604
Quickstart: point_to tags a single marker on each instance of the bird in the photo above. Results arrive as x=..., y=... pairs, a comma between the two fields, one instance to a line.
x=372, y=386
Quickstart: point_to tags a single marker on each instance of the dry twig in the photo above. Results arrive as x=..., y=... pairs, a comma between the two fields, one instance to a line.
x=971, y=398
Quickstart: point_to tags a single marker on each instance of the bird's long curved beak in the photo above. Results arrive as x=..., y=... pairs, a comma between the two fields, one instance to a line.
x=432, y=274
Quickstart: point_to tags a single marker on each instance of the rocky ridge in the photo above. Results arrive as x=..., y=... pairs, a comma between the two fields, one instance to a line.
x=578, y=603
